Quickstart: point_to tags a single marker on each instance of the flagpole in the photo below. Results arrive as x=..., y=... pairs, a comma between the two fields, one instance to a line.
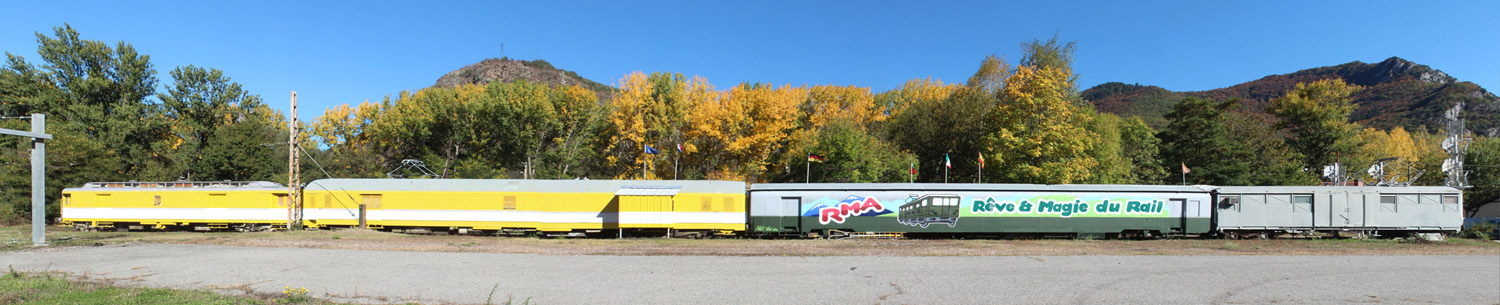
x=808, y=172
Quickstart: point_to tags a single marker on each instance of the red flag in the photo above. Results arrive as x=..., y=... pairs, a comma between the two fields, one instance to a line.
x=913, y=168
x=814, y=158
x=981, y=161
x=1184, y=168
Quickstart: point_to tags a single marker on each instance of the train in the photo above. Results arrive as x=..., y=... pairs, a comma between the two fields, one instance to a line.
x=678, y=208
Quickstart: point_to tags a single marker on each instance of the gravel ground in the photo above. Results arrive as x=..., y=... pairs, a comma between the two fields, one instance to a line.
x=377, y=276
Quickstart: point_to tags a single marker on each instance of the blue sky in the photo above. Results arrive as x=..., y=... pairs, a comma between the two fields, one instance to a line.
x=334, y=52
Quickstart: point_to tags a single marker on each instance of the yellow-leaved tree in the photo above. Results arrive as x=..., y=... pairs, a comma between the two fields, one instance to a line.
x=734, y=136
x=1040, y=135
x=649, y=111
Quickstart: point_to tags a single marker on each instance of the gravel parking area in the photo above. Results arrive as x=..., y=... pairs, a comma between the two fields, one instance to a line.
x=377, y=276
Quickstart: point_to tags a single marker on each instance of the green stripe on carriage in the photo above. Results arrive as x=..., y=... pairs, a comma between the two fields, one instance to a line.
x=1005, y=225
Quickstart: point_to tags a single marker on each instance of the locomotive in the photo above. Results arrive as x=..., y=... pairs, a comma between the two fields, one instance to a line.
x=618, y=208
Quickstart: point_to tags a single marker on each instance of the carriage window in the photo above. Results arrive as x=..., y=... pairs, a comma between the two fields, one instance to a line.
x=371, y=201
x=728, y=204
x=1231, y=200
x=1450, y=199
x=1388, y=203
x=708, y=204
x=1302, y=203
x=158, y=200
x=510, y=202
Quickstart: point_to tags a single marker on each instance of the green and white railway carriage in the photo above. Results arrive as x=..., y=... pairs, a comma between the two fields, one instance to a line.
x=1266, y=211
x=979, y=209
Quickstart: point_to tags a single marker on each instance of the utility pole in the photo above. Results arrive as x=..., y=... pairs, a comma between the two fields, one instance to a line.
x=38, y=175
x=294, y=173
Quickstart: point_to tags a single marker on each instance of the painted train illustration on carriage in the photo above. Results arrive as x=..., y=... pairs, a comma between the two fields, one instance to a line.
x=924, y=210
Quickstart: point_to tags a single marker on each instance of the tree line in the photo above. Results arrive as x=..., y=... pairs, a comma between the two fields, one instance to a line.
x=114, y=121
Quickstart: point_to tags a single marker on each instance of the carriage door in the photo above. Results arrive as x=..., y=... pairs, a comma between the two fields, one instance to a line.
x=1182, y=212
x=790, y=216
x=1338, y=210
x=646, y=206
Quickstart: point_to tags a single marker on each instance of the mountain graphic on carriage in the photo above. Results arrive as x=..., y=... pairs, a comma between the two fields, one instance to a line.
x=921, y=211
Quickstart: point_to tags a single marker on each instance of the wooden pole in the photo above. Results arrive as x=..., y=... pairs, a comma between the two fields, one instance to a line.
x=294, y=200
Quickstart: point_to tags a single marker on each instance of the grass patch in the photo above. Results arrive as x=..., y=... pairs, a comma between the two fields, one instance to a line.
x=54, y=288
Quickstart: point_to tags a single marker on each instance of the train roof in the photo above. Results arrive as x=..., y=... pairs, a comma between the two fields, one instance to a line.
x=625, y=187
x=180, y=186
x=983, y=187
x=1319, y=188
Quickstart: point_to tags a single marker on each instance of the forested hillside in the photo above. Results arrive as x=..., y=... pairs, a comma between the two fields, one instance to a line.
x=1011, y=122
x=1396, y=92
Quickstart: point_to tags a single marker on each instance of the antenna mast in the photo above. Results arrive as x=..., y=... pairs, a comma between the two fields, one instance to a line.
x=1455, y=143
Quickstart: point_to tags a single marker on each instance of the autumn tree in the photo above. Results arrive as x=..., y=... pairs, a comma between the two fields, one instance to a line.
x=346, y=133
x=648, y=111
x=1039, y=133
x=734, y=136
x=1317, y=116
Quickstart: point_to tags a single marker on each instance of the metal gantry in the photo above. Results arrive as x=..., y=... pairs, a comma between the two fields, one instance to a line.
x=38, y=175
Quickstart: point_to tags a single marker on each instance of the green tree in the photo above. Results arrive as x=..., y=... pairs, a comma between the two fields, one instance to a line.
x=853, y=156
x=96, y=97
x=933, y=127
x=1141, y=148
x=1483, y=164
x=1109, y=150
x=1317, y=116
x=1197, y=138
x=1222, y=146
x=1271, y=160
x=199, y=104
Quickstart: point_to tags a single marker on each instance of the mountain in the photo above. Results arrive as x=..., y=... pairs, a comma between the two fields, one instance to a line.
x=1397, y=92
x=508, y=70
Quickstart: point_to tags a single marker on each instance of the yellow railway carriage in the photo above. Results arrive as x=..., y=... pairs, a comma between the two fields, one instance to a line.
x=240, y=205
x=606, y=207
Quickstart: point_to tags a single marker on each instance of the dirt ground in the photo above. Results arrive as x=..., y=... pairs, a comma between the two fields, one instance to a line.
x=18, y=238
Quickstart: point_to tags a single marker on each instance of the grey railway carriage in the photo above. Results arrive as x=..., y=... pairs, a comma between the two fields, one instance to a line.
x=1266, y=211
x=796, y=209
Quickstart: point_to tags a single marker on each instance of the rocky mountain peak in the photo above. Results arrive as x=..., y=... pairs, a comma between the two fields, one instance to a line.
x=1394, y=67
x=507, y=70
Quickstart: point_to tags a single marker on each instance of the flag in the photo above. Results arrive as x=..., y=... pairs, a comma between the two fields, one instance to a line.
x=981, y=161
x=679, y=148
x=814, y=158
x=1184, y=168
x=947, y=162
x=650, y=150
x=913, y=168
